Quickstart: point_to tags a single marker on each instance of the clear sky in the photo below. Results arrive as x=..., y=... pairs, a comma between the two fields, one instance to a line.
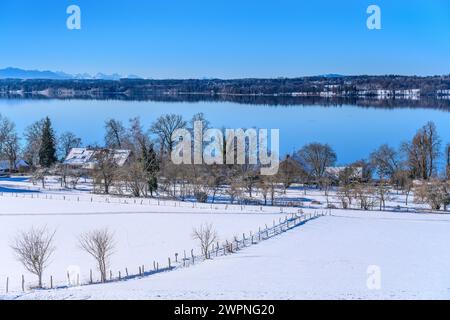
x=227, y=38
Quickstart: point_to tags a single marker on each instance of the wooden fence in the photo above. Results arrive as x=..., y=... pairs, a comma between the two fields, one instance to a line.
x=188, y=258
x=91, y=198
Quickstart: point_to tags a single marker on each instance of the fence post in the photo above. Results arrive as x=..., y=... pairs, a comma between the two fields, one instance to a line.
x=23, y=283
x=90, y=276
x=7, y=282
x=169, y=264
x=120, y=276
x=51, y=282
x=140, y=271
x=192, y=254
x=176, y=257
x=68, y=279
x=126, y=271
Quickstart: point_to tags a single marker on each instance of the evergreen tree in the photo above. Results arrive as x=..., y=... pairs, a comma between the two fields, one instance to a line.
x=151, y=166
x=47, y=151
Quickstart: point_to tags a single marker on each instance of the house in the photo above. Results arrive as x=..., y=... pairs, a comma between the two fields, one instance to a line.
x=84, y=158
x=20, y=166
x=355, y=173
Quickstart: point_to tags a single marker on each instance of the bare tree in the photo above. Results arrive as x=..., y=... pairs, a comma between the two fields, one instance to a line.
x=74, y=176
x=315, y=158
x=134, y=176
x=207, y=236
x=326, y=184
x=40, y=175
x=289, y=172
x=215, y=177
x=422, y=152
x=385, y=160
x=116, y=134
x=105, y=170
x=345, y=193
x=9, y=142
x=33, y=137
x=165, y=127
x=434, y=192
x=382, y=193
x=33, y=248
x=365, y=196
x=67, y=141
x=447, y=161
x=234, y=191
x=100, y=245
x=264, y=188
x=200, y=117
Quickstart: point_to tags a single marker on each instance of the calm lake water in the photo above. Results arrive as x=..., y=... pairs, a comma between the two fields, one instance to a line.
x=352, y=131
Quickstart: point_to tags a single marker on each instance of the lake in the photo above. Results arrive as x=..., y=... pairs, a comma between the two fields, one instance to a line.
x=351, y=130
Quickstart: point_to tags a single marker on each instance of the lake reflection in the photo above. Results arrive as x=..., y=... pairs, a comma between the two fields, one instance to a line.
x=351, y=130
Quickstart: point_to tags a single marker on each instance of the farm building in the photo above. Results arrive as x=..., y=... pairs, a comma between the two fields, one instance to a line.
x=19, y=166
x=355, y=173
x=84, y=158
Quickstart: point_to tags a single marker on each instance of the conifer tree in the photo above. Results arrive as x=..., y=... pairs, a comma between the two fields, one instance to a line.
x=151, y=166
x=47, y=151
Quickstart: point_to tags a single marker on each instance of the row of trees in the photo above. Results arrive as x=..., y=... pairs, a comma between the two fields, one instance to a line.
x=136, y=88
x=42, y=147
x=150, y=170
x=35, y=247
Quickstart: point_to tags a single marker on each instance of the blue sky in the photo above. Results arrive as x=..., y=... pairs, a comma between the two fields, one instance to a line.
x=227, y=38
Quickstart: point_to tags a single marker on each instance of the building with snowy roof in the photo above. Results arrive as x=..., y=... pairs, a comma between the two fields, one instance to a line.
x=85, y=158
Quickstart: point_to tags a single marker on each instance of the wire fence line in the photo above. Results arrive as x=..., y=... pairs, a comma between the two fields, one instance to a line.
x=151, y=202
x=186, y=260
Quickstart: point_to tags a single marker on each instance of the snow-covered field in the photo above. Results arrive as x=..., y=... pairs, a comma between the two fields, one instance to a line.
x=144, y=233
x=327, y=258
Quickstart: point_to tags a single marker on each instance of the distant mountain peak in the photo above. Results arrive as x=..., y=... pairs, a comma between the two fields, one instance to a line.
x=17, y=73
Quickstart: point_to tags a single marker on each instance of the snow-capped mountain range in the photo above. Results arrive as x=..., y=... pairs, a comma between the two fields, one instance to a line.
x=16, y=73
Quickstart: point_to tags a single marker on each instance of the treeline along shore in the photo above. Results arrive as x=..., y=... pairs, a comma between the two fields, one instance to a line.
x=371, y=91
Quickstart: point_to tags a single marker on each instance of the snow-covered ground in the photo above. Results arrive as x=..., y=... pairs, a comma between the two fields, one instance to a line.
x=144, y=232
x=296, y=195
x=327, y=258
